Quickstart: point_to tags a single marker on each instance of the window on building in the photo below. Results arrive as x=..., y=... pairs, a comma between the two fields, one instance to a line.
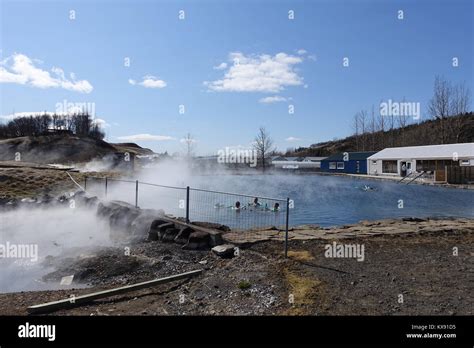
x=340, y=165
x=332, y=165
x=389, y=167
x=374, y=163
x=464, y=162
x=425, y=165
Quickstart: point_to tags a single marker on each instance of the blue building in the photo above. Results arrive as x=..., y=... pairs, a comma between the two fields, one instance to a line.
x=346, y=162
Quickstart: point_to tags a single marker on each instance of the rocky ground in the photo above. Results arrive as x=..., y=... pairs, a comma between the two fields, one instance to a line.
x=420, y=266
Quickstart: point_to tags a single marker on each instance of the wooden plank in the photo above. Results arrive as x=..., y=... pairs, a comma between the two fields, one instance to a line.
x=72, y=302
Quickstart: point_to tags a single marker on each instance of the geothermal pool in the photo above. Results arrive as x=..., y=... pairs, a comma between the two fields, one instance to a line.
x=334, y=200
x=318, y=199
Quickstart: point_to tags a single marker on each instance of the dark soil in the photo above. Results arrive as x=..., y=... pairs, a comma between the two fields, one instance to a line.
x=261, y=281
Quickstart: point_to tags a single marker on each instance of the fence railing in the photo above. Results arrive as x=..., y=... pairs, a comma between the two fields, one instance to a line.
x=460, y=174
x=240, y=212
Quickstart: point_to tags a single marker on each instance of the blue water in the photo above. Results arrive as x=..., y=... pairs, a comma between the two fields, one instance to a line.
x=336, y=200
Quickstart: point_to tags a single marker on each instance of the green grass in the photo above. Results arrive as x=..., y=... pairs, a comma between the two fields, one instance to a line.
x=244, y=285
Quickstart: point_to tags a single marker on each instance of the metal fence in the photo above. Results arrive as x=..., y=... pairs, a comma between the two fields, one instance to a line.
x=238, y=211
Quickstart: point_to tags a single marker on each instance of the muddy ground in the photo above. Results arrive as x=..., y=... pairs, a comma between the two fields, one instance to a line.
x=260, y=281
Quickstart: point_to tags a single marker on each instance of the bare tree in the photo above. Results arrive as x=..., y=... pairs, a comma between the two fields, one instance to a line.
x=373, y=130
x=381, y=130
x=402, y=121
x=263, y=145
x=361, y=119
x=460, y=103
x=356, y=128
x=189, y=142
x=439, y=106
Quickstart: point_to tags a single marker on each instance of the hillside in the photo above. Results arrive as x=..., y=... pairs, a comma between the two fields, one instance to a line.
x=62, y=148
x=458, y=129
x=132, y=148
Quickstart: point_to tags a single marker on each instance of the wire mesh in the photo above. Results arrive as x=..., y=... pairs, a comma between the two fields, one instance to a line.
x=238, y=211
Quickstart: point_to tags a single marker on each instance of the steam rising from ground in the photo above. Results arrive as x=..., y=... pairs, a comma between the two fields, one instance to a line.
x=53, y=231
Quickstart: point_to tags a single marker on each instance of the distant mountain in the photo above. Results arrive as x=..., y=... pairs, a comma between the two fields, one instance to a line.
x=62, y=148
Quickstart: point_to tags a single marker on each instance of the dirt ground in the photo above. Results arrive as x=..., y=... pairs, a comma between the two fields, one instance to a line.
x=404, y=274
x=26, y=180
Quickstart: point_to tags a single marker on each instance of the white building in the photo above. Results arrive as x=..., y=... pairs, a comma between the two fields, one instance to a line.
x=431, y=159
x=281, y=162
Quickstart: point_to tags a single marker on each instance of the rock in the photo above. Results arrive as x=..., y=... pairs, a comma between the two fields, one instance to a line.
x=198, y=241
x=183, y=235
x=152, y=235
x=156, y=223
x=28, y=200
x=120, y=219
x=414, y=219
x=141, y=225
x=224, y=250
x=212, y=226
x=170, y=234
x=162, y=229
x=216, y=239
x=91, y=202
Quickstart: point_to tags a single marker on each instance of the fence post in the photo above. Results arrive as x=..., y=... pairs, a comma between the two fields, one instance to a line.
x=85, y=182
x=136, y=194
x=286, y=227
x=105, y=187
x=187, y=204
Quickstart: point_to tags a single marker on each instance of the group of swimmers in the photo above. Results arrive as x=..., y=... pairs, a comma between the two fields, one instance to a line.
x=255, y=204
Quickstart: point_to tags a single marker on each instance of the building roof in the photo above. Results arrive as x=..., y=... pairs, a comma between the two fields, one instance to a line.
x=447, y=151
x=353, y=156
x=312, y=158
x=299, y=159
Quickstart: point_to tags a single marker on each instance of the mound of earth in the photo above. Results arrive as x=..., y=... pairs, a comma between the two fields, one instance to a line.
x=132, y=148
x=62, y=148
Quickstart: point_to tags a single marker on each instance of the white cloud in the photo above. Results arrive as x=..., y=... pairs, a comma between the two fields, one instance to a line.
x=262, y=73
x=274, y=99
x=221, y=66
x=145, y=137
x=301, y=52
x=149, y=81
x=292, y=139
x=101, y=122
x=20, y=69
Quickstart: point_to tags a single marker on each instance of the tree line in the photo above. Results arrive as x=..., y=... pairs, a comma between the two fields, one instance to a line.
x=81, y=124
x=373, y=132
x=449, y=121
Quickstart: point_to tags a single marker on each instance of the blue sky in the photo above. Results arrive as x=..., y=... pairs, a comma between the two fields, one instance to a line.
x=177, y=62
